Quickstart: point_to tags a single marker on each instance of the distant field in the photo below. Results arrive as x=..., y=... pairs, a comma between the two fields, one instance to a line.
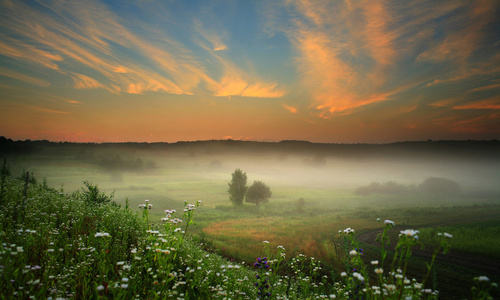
x=474, y=237
x=326, y=184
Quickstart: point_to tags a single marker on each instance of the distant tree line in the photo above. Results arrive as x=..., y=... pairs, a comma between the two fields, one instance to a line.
x=431, y=185
x=238, y=190
x=115, y=162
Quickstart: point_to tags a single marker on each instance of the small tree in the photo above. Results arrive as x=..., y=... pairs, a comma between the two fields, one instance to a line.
x=258, y=193
x=93, y=195
x=238, y=187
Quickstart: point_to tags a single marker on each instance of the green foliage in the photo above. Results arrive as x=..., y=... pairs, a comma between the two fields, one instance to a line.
x=4, y=172
x=301, y=203
x=92, y=195
x=237, y=187
x=258, y=193
x=431, y=185
x=61, y=247
x=477, y=238
x=440, y=186
x=389, y=187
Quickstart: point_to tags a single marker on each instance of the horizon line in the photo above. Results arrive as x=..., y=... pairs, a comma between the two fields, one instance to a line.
x=257, y=141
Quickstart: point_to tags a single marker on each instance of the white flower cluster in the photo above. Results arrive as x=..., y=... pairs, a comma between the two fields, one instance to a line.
x=358, y=276
x=348, y=230
x=101, y=234
x=410, y=233
x=168, y=217
x=190, y=207
x=146, y=205
x=446, y=235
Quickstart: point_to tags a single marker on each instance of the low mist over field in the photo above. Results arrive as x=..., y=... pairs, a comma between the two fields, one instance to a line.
x=474, y=166
x=317, y=191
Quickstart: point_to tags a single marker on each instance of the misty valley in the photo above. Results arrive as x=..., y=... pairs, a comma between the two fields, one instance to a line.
x=317, y=191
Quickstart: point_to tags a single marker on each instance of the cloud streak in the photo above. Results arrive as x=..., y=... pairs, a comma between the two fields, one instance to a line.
x=343, y=63
x=354, y=53
x=66, y=36
x=22, y=77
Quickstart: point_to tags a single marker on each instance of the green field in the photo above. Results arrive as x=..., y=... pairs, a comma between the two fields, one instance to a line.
x=169, y=177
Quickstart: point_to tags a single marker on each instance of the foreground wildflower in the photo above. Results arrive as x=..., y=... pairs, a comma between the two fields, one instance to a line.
x=101, y=234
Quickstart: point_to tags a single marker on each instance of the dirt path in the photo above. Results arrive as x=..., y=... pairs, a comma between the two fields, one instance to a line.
x=477, y=262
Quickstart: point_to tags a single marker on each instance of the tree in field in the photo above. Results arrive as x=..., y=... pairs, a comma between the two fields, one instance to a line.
x=258, y=193
x=238, y=187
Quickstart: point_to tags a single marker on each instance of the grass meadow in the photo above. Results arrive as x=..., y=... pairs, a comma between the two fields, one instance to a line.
x=311, y=207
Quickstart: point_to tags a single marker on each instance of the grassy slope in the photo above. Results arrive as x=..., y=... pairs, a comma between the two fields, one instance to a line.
x=174, y=180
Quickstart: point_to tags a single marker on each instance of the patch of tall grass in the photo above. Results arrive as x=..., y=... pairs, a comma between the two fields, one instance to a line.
x=478, y=237
x=83, y=245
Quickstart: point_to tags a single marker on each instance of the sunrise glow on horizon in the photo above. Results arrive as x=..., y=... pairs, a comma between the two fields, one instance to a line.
x=321, y=71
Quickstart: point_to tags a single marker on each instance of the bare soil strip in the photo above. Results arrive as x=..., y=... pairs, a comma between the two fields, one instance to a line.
x=473, y=261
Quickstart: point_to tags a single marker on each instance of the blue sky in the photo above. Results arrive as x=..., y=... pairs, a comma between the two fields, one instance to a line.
x=323, y=71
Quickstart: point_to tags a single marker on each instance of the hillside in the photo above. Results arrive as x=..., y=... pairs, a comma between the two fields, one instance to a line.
x=85, y=245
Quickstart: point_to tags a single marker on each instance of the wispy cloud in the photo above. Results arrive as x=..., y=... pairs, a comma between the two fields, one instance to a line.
x=444, y=102
x=343, y=62
x=236, y=86
x=85, y=82
x=491, y=103
x=354, y=53
x=234, y=81
x=486, y=87
x=486, y=123
x=18, y=50
x=22, y=77
x=37, y=108
x=291, y=109
x=214, y=37
x=57, y=99
x=463, y=39
x=71, y=36
x=464, y=31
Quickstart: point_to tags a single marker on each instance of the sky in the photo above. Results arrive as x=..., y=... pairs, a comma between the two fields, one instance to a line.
x=364, y=71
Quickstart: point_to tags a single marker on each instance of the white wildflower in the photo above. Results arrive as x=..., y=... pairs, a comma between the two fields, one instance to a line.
x=348, y=230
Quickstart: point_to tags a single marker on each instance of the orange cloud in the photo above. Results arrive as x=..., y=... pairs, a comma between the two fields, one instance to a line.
x=487, y=123
x=487, y=87
x=444, y=102
x=236, y=86
x=85, y=82
x=262, y=90
x=86, y=43
x=22, y=77
x=18, y=50
x=235, y=82
x=460, y=44
x=330, y=43
x=378, y=38
x=40, y=109
x=291, y=109
x=491, y=103
x=214, y=37
x=89, y=43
